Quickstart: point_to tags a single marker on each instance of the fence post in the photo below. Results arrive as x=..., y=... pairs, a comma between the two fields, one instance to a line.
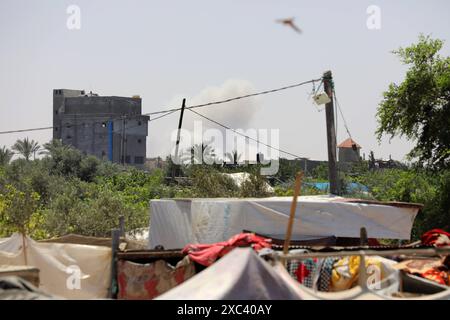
x=115, y=239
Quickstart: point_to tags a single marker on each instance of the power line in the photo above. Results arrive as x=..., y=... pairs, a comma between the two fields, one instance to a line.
x=342, y=114
x=237, y=132
x=25, y=130
x=238, y=97
x=170, y=111
x=82, y=124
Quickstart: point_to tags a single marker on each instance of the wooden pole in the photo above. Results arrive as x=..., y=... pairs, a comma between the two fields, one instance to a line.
x=24, y=245
x=113, y=287
x=180, y=123
x=331, y=134
x=363, y=240
x=298, y=183
x=122, y=226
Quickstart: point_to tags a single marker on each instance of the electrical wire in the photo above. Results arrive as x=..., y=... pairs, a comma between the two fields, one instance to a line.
x=238, y=97
x=25, y=130
x=342, y=114
x=170, y=111
x=237, y=132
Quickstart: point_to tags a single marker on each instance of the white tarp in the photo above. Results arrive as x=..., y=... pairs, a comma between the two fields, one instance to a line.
x=60, y=264
x=177, y=222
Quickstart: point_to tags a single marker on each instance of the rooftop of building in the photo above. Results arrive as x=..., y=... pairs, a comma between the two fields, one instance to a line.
x=348, y=143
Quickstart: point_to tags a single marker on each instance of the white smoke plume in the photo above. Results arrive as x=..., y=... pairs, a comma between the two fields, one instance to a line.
x=236, y=114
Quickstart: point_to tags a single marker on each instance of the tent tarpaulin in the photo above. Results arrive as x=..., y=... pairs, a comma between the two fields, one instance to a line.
x=57, y=262
x=242, y=275
x=177, y=222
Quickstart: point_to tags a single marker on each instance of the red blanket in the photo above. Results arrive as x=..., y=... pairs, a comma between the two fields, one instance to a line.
x=207, y=254
x=436, y=237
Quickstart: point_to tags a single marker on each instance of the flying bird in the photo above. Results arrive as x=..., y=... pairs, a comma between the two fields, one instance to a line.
x=290, y=23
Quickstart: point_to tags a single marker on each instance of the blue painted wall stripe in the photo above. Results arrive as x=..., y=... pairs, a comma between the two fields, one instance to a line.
x=110, y=141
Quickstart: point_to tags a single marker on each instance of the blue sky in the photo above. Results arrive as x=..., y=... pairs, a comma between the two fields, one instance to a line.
x=167, y=50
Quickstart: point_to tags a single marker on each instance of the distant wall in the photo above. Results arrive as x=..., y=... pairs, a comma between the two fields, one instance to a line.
x=349, y=155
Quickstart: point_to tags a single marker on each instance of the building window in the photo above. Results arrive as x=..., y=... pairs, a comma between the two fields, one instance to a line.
x=139, y=140
x=139, y=123
x=56, y=111
x=68, y=137
x=56, y=128
x=139, y=160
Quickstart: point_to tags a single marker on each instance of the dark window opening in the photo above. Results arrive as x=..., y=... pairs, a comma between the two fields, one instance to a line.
x=139, y=123
x=139, y=160
x=139, y=140
x=69, y=137
x=56, y=111
x=56, y=128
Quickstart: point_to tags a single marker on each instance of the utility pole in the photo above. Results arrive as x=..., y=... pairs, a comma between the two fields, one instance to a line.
x=331, y=134
x=180, y=123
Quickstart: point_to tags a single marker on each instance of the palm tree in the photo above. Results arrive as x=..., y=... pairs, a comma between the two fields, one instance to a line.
x=234, y=157
x=53, y=147
x=26, y=148
x=5, y=156
x=202, y=153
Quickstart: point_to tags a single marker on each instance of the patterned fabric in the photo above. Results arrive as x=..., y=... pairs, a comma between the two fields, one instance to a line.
x=325, y=274
x=147, y=281
x=346, y=272
x=311, y=272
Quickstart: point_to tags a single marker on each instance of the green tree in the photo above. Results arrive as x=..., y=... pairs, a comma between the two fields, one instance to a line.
x=321, y=172
x=419, y=107
x=53, y=148
x=5, y=156
x=26, y=148
x=18, y=210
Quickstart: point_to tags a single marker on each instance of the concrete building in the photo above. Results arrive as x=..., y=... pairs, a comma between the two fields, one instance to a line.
x=109, y=127
x=349, y=151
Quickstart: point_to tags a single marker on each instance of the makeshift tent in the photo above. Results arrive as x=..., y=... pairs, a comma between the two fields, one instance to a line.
x=242, y=275
x=177, y=222
x=60, y=264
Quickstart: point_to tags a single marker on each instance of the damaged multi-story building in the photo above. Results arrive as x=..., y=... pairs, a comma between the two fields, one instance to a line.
x=109, y=127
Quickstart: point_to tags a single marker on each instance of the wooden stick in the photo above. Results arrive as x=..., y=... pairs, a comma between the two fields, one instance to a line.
x=24, y=248
x=298, y=183
x=113, y=285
